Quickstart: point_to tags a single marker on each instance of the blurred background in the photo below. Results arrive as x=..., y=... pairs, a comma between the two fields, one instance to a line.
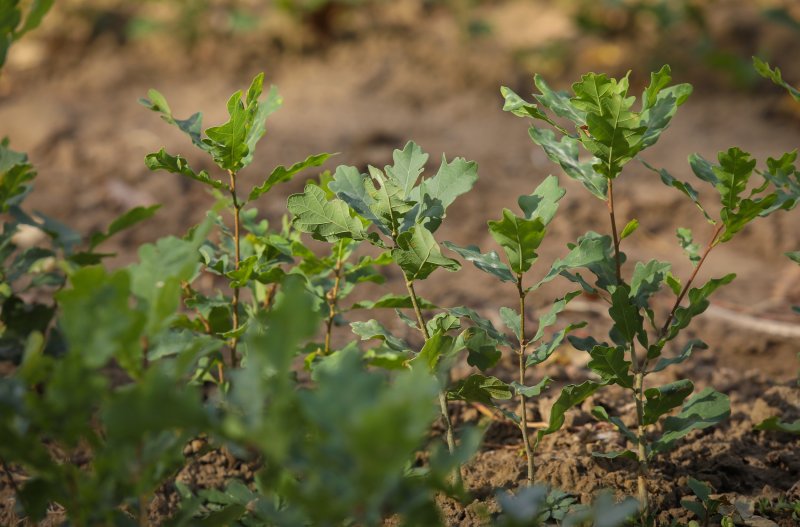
x=361, y=77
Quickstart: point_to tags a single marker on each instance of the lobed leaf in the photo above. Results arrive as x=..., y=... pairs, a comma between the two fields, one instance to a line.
x=774, y=74
x=531, y=391
x=519, y=238
x=565, y=154
x=698, y=303
x=127, y=220
x=191, y=126
x=488, y=262
x=609, y=362
x=704, y=409
x=543, y=202
x=161, y=160
x=480, y=389
x=625, y=313
x=372, y=329
x=281, y=174
x=323, y=219
x=570, y=396
x=662, y=399
x=511, y=319
x=418, y=254
x=482, y=349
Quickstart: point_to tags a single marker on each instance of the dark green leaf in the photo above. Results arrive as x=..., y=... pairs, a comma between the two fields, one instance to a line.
x=685, y=353
x=392, y=301
x=571, y=395
x=565, y=154
x=704, y=409
x=531, y=391
x=161, y=160
x=191, y=126
x=488, y=262
x=682, y=186
x=373, y=329
x=282, y=174
x=543, y=203
x=127, y=220
x=482, y=349
x=480, y=389
x=625, y=313
x=664, y=398
x=774, y=74
x=698, y=303
x=646, y=281
x=325, y=220
x=609, y=362
x=418, y=254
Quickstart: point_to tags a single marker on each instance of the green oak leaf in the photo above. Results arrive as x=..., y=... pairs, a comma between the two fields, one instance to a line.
x=543, y=202
x=489, y=262
x=161, y=160
x=571, y=395
x=704, y=409
x=418, y=254
x=323, y=219
x=519, y=238
x=125, y=221
x=565, y=153
x=609, y=362
x=480, y=389
x=281, y=174
x=774, y=74
x=662, y=399
x=625, y=314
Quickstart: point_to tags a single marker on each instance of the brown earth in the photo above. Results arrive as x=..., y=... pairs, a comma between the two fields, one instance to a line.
x=404, y=71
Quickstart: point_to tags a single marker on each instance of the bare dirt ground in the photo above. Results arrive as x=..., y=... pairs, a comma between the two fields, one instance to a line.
x=405, y=71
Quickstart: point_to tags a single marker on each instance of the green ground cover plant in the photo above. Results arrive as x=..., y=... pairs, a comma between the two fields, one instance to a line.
x=116, y=370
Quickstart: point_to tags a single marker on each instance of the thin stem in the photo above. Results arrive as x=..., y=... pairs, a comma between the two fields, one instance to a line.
x=641, y=435
x=643, y=471
x=522, y=399
x=711, y=244
x=332, y=297
x=449, y=436
x=237, y=207
x=610, y=204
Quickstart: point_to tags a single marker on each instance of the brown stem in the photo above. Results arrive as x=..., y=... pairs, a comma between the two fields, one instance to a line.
x=610, y=204
x=237, y=259
x=711, y=244
x=522, y=399
x=449, y=436
x=332, y=298
x=641, y=435
x=643, y=469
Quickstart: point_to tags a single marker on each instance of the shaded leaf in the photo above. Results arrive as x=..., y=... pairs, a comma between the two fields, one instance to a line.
x=704, y=409
x=609, y=362
x=662, y=399
x=565, y=154
x=543, y=202
x=570, y=396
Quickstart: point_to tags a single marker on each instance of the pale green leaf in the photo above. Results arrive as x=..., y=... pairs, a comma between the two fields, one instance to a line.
x=281, y=174
x=519, y=238
x=325, y=220
x=418, y=254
